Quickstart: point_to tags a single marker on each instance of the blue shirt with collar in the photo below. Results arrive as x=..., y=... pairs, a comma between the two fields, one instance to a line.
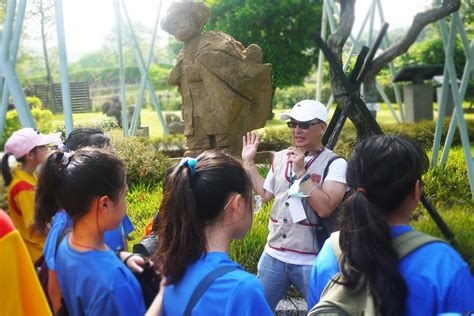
x=438, y=279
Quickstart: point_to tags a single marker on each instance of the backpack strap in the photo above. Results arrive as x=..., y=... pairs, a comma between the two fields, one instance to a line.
x=326, y=170
x=204, y=284
x=61, y=237
x=411, y=240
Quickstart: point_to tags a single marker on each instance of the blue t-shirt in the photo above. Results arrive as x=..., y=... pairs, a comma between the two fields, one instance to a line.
x=235, y=293
x=438, y=279
x=97, y=283
x=114, y=238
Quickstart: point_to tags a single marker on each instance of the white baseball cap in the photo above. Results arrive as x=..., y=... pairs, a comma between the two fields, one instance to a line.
x=22, y=141
x=307, y=110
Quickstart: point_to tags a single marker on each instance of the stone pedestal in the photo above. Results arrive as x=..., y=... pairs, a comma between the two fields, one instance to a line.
x=418, y=102
x=449, y=104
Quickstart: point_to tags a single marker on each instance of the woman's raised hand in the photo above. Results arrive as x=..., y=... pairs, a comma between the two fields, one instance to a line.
x=249, y=146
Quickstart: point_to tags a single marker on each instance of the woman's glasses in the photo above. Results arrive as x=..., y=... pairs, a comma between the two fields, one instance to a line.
x=302, y=125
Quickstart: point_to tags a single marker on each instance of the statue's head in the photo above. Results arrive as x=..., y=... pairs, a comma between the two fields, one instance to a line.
x=185, y=20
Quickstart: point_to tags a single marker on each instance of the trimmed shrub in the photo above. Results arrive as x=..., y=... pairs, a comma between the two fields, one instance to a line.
x=105, y=124
x=43, y=119
x=145, y=165
x=279, y=137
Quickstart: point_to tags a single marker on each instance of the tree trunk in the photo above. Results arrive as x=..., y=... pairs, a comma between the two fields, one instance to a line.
x=339, y=37
x=49, y=77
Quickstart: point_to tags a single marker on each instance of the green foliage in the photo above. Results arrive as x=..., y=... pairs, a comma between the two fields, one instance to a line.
x=279, y=137
x=145, y=165
x=159, y=76
x=105, y=124
x=43, y=119
x=34, y=102
x=248, y=250
x=287, y=97
x=143, y=201
x=280, y=28
x=431, y=52
x=447, y=189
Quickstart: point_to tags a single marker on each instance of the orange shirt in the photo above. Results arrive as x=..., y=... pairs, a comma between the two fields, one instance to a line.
x=20, y=290
x=21, y=205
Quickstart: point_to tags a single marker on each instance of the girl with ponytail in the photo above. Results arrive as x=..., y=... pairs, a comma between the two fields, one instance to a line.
x=28, y=147
x=90, y=185
x=58, y=221
x=385, y=173
x=207, y=202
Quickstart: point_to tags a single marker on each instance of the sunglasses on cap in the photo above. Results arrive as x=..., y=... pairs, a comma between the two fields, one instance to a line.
x=302, y=125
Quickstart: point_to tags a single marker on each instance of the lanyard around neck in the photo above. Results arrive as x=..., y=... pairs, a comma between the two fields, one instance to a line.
x=289, y=166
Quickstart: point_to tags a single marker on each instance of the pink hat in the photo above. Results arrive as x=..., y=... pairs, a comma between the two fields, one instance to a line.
x=25, y=139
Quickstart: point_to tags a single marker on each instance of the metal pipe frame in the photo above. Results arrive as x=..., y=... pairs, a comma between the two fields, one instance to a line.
x=458, y=94
x=144, y=71
x=141, y=92
x=65, y=87
x=7, y=68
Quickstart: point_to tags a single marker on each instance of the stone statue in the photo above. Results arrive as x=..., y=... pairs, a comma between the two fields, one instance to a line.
x=225, y=88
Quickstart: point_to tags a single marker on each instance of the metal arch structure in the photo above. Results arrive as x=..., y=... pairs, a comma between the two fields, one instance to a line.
x=10, y=83
x=458, y=93
x=330, y=10
x=451, y=85
x=144, y=67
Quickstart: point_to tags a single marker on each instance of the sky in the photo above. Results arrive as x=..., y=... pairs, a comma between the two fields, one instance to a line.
x=88, y=21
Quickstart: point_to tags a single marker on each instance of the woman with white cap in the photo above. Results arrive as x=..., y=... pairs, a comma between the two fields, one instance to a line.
x=28, y=146
x=307, y=182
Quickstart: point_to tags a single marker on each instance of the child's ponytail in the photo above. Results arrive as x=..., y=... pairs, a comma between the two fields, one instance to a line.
x=6, y=172
x=194, y=196
x=184, y=240
x=46, y=202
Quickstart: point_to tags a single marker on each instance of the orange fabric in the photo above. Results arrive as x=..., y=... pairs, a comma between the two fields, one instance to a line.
x=149, y=227
x=20, y=290
x=21, y=204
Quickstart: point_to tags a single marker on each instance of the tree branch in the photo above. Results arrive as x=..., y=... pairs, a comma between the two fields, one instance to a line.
x=419, y=22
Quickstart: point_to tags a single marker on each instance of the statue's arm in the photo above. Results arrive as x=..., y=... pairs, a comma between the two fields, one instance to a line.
x=175, y=75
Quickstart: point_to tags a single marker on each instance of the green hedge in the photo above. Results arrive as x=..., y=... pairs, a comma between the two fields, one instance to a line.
x=279, y=137
x=146, y=166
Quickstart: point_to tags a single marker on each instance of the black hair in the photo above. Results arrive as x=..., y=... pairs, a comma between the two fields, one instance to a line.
x=86, y=137
x=71, y=183
x=79, y=138
x=192, y=201
x=385, y=170
x=6, y=172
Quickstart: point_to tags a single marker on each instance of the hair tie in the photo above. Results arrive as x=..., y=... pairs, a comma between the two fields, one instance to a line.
x=63, y=147
x=67, y=157
x=190, y=163
x=364, y=191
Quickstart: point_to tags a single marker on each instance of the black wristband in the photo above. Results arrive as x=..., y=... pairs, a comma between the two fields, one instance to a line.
x=126, y=259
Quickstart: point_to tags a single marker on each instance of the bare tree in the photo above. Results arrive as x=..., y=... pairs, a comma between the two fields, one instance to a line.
x=43, y=12
x=337, y=40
